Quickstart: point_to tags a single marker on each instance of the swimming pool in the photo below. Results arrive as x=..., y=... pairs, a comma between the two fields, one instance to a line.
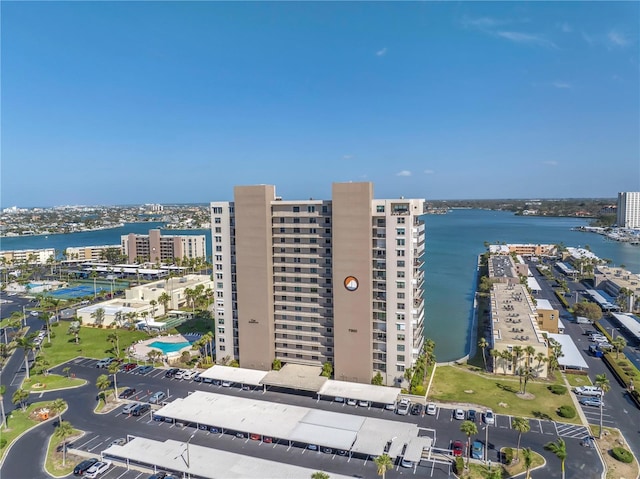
x=169, y=347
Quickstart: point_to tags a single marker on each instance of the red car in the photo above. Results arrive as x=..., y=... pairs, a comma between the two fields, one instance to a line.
x=128, y=367
x=458, y=448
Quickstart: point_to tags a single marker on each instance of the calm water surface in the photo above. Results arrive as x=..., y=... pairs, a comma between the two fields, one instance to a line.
x=453, y=244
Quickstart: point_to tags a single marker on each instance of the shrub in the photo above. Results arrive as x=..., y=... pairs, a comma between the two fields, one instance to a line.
x=507, y=453
x=558, y=389
x=459, y=465
x=622, y=363
x=566, y=412
x=47, y=345
x=3, y=442
x=55, y=325
x=621, y=454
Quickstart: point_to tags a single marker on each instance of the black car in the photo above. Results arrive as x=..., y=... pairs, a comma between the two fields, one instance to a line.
x=471, y=415
x=416, y=409
x=127, y=393
x=171, y=372
x=84, y=466
x=158, y=475
x=140, y=409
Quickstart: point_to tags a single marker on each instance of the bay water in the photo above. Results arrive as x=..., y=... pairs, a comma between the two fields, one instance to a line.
x=453, y=243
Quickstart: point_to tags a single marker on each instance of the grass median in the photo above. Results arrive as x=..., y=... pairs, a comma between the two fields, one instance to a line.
x=19, y=421
x=41, y=383
x=54, y=462
x=456, y=384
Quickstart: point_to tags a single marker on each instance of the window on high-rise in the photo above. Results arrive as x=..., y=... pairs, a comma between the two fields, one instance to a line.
x=380, y=209
x=296, y=209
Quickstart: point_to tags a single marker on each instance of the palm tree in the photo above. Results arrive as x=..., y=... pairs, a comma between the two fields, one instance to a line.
x=114, y=339
x=98, y=316
x=521, y=425
x=619, y=344
x=527, y=454
x=20, y=397
x=495, y=354
x=529, y=351
x=63, y=431
x=470, y=429
x=517, y=352
x=541, y=357
x=320, y=475
x=153, y=304
x=603, y=383
x=103, y=383
x=113, y=369
x=559, y=448
x=506, y=357
x=482, y=344
x=3, y=390
x=209, y=337
x=384, y=463
x=57, y=406
x=527, y=374
x=164, y=299
x=27, y=346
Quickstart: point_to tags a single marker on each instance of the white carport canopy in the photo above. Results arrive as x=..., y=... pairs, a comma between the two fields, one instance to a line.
x=296, y=376
x=203, y=461
x=571, y=357
x=376, y=433
x=251, y=377
x=629, y=323
x=364, y=392
x=323, y=436
x=415, y=448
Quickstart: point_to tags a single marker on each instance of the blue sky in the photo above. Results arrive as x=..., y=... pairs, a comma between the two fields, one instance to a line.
x=124, y=102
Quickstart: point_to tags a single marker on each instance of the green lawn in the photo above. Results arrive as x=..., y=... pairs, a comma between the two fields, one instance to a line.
x=93, y=343
x=577, y=380
x=458, y=385
x=51, y=381
x=18, y=422
x=53, y=463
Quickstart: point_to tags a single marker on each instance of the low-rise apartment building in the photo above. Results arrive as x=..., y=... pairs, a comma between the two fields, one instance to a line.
x=176, y=289
x=621, y=284
x=23, y=256
x=90, y=253
x=156, y=247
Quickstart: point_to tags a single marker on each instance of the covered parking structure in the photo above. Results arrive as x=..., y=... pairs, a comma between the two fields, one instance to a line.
x=571, y=357
x=361, y=392
x=293, y=424
x=296, y=376
x=242, y=376
x=193, y=461
x=605, y=301
x=630, y=323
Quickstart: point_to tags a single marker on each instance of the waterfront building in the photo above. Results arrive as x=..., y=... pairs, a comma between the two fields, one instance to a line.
x=90, y=253
x=115, y=311
x=156, y=247
x=320, y=281
x=176, y=288
x=526, y=249
x=548, y=318
x=620, y=284
x=503, y=269
x=514, y=327
x=31, y=256
x=628, y=215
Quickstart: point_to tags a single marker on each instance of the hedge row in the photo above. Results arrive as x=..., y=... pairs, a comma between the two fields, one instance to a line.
x=623, y=374
x=560, y=296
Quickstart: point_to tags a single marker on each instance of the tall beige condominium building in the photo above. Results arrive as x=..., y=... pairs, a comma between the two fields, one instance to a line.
x=318, y=281
x=156, y=247
x=629, y=209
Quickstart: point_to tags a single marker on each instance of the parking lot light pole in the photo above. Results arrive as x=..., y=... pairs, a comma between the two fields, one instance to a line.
x=486, y=442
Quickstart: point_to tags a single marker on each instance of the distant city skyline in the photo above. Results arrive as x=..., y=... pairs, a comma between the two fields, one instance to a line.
x=113, y=103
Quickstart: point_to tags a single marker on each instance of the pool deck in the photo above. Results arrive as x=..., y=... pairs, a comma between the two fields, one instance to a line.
x=140, y=349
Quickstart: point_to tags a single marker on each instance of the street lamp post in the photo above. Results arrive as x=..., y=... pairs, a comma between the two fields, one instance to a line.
x=486, y=442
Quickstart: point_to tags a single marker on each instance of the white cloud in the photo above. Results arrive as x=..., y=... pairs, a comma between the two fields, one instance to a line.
x=429, y=172
x=403, y=173
x=347, y=157
x=527, y=38
x=382, y=52
x=481, y=23
x=561, y=84
x=565, y=27
x=550, y=163
x=617, y=38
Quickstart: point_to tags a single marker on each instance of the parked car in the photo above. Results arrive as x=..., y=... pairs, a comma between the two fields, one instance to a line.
x=588, y=391
x=104, y=362
x=403, y=407
x=390, y=406
x=97, y=469
x=128, y=409
x=171, y=373
x=254, y=437
x=362, y=403
x=352, y=402
x=140, y=409
x=459, y=414
x=416, y=409
x=126, y=367
x=327, y=450
x=157, y=397
x=197, y=378
x=432, y=409
x=489, y=418
x=471, y=415
x=477, y=450
x=338, y=399
x=145, y=369
x=188, y=375
x=84, y=466
x=457, y=448
x=405, y=463
x=592, y=401
x=127, y=393
x=226, y=384
x=312, y=447
x=121, y=441
x=158, y=475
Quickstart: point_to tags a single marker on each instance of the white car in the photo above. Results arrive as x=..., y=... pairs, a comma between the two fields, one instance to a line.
x=432, y=409
x=362, y=403
x=180, y=374
x=489, y=418
x=188, y=375
x=97, y=469
x=459, y=414
x=403, y=407
x=351, y=402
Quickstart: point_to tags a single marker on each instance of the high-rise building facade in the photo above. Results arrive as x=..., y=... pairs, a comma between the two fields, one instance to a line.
x=156, y=247
x=628, y=215
x=318, y=281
